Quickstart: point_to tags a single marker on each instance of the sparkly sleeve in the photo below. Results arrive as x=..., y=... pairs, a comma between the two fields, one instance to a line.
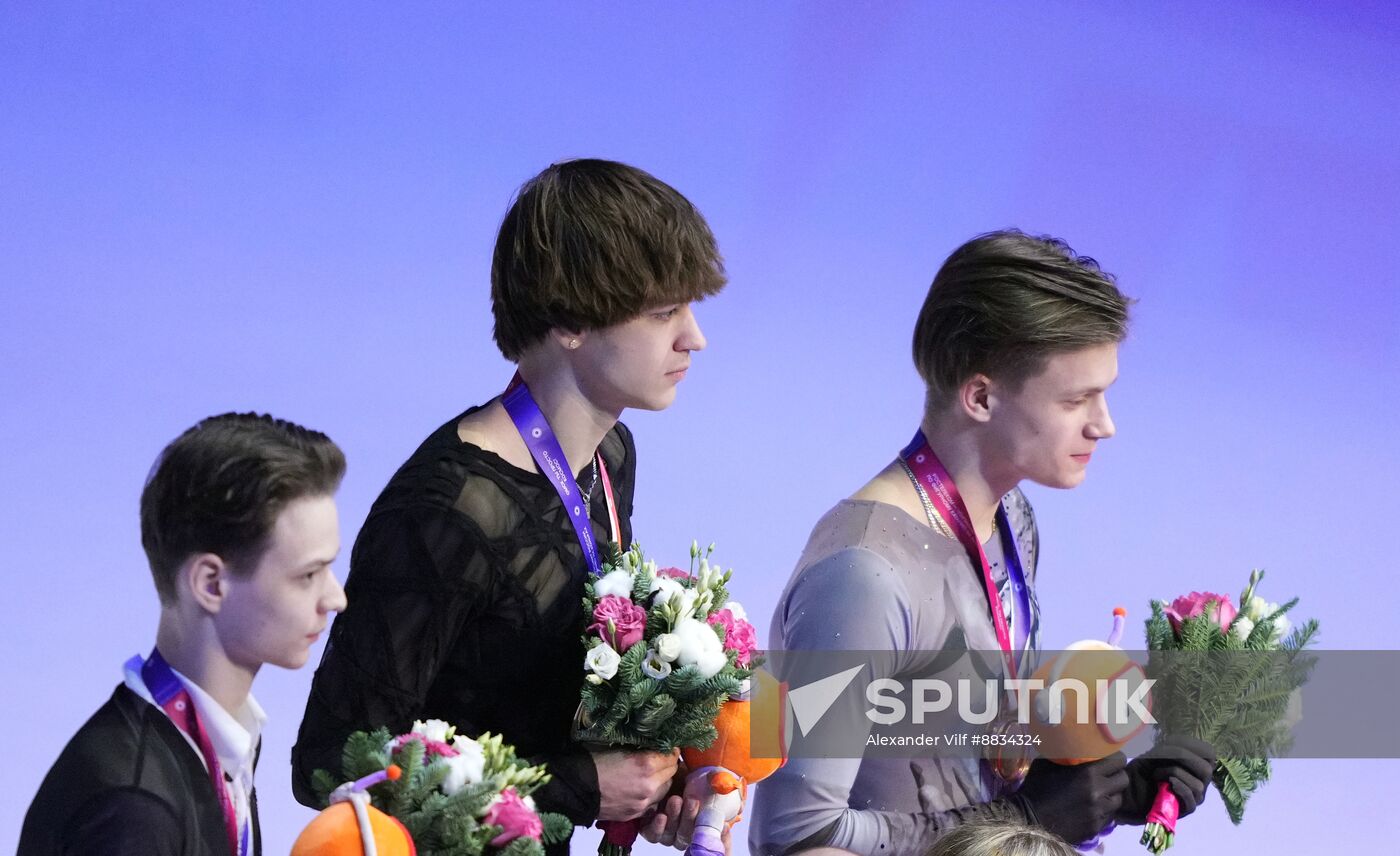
x=852, y=600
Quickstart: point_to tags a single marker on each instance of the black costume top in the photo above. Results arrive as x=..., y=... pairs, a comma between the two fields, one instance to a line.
x=129, y=784
x=465, y=604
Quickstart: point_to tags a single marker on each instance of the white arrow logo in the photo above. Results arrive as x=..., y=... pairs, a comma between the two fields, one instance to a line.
x=811, y=702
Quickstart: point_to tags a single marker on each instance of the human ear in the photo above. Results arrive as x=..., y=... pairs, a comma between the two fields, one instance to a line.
x=569, y=340
x=975, y=397
x=204, y=576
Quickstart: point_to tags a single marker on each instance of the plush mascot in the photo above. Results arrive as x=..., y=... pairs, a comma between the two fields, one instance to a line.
x=720, y=775
x=350, y=826
x=1075, y=727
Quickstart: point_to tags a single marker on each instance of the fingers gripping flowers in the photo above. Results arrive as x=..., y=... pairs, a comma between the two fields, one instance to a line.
x=666, y=647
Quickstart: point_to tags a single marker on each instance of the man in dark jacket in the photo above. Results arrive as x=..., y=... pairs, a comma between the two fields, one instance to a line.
x=239, y=524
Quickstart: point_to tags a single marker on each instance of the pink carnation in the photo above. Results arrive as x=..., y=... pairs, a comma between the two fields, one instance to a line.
x=673, y=573
x=1196, y=603
x=739, y=636
x=514, y=817
x=628, y=621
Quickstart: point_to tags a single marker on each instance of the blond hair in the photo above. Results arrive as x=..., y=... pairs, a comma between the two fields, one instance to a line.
x=1001, y=839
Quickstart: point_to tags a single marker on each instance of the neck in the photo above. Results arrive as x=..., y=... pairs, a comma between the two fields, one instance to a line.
x=959, y=449
x=192, y=649
x=579, y=424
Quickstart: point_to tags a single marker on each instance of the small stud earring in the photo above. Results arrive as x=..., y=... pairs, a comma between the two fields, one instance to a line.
x=573, y=343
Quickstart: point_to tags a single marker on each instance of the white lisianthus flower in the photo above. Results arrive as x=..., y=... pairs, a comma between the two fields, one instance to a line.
x=617, y=583
x=1243, y=627
x=530, y=804
x=655, y=667
x=433, y=729
x=1257, y=608
x=1282, y=627
x=668, y=647
x=602, y=660
x=700, y=647
x=736, y=609
x=466, y=768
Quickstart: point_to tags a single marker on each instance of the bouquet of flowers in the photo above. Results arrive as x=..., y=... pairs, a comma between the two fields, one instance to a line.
x=666, y=648
x=1240, y=702
x=457, y=796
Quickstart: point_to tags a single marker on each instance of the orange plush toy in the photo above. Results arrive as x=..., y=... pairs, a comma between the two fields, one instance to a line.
x=350, y=826
x=720, y=777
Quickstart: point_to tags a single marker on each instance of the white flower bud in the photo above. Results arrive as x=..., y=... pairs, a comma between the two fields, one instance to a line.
x=668, y=647
x=602, y=660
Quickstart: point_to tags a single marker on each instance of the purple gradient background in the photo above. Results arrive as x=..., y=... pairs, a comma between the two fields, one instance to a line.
x=292, y=211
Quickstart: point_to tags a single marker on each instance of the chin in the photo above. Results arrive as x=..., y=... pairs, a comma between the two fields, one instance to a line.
x=293, y=659
x=656, y=402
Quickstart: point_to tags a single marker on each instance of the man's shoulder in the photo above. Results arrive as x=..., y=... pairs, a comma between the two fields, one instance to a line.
x=126, y=762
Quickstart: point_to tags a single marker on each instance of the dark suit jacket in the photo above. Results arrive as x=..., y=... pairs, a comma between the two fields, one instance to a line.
x=129, y=784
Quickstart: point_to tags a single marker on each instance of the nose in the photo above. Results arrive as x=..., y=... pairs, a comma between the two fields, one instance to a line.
x=333, y=599
x=1101, y=427
x=691, y=338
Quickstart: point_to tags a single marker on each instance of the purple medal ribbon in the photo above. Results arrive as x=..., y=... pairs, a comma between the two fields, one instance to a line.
x=175, y=700
x=943, y=493
x=549, y=457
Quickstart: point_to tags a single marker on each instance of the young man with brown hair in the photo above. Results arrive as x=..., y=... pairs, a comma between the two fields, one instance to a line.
x=1017, y=343
x=467, y=578
x=240, y=528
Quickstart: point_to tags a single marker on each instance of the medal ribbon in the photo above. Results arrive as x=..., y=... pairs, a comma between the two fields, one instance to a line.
x=549, y=457
x=175, y=700
x=944, y=495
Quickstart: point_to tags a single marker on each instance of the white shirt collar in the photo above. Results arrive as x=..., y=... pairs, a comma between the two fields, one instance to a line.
x=234, y=736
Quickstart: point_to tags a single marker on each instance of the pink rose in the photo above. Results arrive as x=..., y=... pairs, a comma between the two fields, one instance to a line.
x=618, y=621
x=431, y=748
x=1196, y=603
x=673, y=573
x=739, y=636
x=514, y=817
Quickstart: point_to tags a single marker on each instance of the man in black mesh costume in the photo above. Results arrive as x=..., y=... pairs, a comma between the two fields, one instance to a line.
x=466, y=581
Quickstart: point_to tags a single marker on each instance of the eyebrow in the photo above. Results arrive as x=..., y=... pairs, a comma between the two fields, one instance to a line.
x=1090, y=390
x=319, y=563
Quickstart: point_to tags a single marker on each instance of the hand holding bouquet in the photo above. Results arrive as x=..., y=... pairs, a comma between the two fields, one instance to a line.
x=457, y=796
x=665, y=649
x=1233, y=693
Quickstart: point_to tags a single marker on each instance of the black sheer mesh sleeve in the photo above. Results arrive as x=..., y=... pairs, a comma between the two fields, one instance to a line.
x=465, y=593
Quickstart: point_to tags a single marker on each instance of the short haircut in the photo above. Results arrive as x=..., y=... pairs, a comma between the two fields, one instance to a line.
x=986, y=838
x=592, y=243
x=220, y=486
x=1004, y=302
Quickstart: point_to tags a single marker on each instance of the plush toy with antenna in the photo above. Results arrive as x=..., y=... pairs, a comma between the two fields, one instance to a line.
x=350, y=826
x=720, y=775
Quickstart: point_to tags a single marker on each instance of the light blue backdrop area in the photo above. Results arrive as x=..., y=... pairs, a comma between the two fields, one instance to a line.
x=207, y=208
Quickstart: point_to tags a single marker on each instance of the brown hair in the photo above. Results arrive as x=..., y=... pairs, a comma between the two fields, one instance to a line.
x=1004, y=302
x=219, y=487
x=591, y=243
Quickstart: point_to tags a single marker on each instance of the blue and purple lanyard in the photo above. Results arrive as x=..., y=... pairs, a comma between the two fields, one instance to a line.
x=931, y=475
x=549, y=457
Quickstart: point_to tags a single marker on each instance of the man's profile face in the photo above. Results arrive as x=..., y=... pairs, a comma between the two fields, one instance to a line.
x=1047, y=430
x=276, y=613
x=639, y=362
